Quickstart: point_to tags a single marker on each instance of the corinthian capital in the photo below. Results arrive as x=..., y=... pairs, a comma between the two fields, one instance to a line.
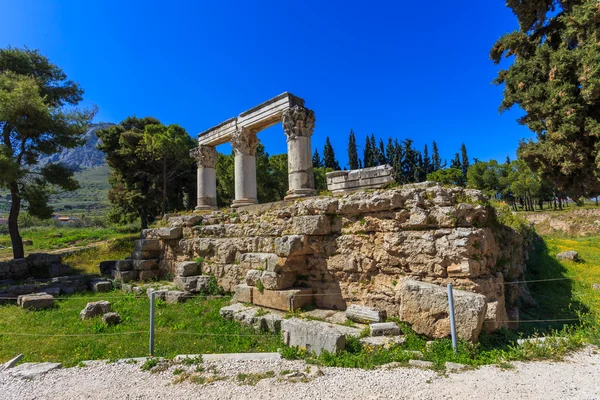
x=205, y=156
x=298, y=121
x=244, y=141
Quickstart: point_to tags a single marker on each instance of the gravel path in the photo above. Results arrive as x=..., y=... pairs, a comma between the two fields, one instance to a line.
x=578, y=377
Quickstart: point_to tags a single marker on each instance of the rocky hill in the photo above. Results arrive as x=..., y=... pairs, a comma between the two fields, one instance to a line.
x=83, y=157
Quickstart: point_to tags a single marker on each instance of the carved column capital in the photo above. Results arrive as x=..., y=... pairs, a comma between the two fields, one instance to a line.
x=298, y=121
x=205, y=156
x=244, y=141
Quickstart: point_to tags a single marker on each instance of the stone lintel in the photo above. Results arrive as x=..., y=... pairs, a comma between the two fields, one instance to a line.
x=359, y=179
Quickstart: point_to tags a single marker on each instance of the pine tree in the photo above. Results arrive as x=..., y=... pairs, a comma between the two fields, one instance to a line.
x=420, y=174
x=427, y=167
x=382, y=157
x=409, y=163
x=317, y=161
x=368, y=156
x=352, y=151
x=376, y=151
x=399, y=162
x=436, y=160
x=456, y=163
x=464, y=160
x=329, y=160
x=391, y=152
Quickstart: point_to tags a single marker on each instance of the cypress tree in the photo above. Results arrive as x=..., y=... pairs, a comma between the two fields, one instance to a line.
x=456, y=163
x=368, y=155
x=382, y=157
x=352, y=151
x=436, y=160
x=464, y=161
x=391, y=153
x=427, y=167
x=317, y=162
x=409, y=163
x=329, y=160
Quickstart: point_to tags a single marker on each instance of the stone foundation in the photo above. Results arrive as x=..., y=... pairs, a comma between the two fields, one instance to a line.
x=353, y=249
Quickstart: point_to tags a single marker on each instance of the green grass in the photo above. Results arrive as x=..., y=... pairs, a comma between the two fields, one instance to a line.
x=55, y=238
x=177, y=329
x=88, y=261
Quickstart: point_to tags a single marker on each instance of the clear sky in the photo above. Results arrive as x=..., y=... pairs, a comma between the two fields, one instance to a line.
x=403, y=69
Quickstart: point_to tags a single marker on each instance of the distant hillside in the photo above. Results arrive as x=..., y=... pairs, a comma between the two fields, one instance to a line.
x=83, y=157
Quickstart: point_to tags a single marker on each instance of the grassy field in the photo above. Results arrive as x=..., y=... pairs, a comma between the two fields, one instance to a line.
x=180, y=329
x=52, y=238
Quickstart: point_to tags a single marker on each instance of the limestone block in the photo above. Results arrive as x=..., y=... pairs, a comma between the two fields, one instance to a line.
x=19, y=268
x=148, y=275
x=359, y=179
x=176, y=296
x=291, y=245
x=123, y=265
x=106, y=267
x=158, y=293
x=260, y=261
x=111, y=318
x=11, y=363
x=186, y=268
x=420, y=363
x=170, y=233
x=243, y=293
x=145, y=265
x=194, y=284
x=124, y=276
x=33, y=370
x=95, y=308
x=43, y=259
x=58, y=269
x=571, y=255
x=253, y=277
x=494, y=316
x=364, y=314
x=314, y=336
x=384, y=329
x=36, y=301
x=277, y=281
x=144, y=254
x=147, y=245
x=425, y=307
x=259, y=319
x=285, y=300
x=100, y=285
x=315, y=225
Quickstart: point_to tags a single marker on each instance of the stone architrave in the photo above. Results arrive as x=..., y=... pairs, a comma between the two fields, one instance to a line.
x=244, y=142
x=298, y=125
x=206, y=159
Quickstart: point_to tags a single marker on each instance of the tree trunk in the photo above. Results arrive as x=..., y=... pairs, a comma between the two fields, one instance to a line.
x=560, y=203
x=164, y=199
x=143, y=219
x=13, y=222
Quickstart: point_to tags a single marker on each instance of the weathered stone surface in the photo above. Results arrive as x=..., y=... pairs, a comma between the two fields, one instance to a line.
x=144, y=254
x=106, y=267
x=101, y=285
x=420, y=363
x=186, y=268
x=111, y=318
x=95, y=308
x=259, y=319
x=169, y=233
x=124, y=276
x=11, y=363
x=314, y=336
x=495, y=316
x=571, y=255
x=123, y=265
x=596, y=286
x=425, y=307
x=176, y=296
x=147, y=245
x=33, y=370
x=285, y=300
x=253, y=277
x=260, y=261
x=43, y=259
x=384, y=329
x=359, y=179
x=291, y=245
x=243, y=293
x=311, y=225
x=145, y=265
x=36, y=301
x=194, y=284
x=455, y=367
x=158, y=293
x=277, y=280
x=148, y=275
x=364, y=314
x=58, y=269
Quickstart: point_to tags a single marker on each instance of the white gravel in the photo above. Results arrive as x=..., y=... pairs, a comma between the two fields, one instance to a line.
x=578, y=377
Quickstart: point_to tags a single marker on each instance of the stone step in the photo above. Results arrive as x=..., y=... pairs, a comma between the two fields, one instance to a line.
x=259, y=319
x=284, y=300
x=314, y=336
x=146, y=245
x=193, y=284
x=186, y=268
x=144, y=254
x=145, y=265
x=270, y=280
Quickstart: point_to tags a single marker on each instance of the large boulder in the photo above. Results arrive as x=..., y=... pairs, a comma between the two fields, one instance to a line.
x=570, y=255
x=425, y=307
x=36, y=301
x=315, y=336
x=95, y=308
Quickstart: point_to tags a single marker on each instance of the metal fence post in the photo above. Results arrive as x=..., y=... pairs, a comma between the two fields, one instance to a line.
x=452, y=322
x=152, y=323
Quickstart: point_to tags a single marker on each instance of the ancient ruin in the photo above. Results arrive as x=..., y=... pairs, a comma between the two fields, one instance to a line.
x=298, y=124
x=359, y=179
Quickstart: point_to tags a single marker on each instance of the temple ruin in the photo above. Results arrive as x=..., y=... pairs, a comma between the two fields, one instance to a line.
x=241, y=131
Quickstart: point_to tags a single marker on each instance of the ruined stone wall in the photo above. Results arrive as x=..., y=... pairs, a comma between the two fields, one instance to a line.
x=358, y=248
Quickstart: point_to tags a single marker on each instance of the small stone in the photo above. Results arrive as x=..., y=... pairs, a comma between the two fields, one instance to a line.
x=420, y=363
x=455, y=367
x=93, y=309
x=596, y=286
x=36, y=301
x=384, y=329
x=111, y=318
x=571, y=255
x=314, y=371
x=138, y=290
x=175, y=296
x=99, y=286
x=253, y=277
x=186, y=268
x=364, y=314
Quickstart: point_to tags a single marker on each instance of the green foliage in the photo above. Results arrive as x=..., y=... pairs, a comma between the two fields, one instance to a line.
x=352, y=151
x=329, y=160
x=448, y=176
x=260, y=286
x=555, y=79
x=37, y=117
x=149, y=364
x=253, y=378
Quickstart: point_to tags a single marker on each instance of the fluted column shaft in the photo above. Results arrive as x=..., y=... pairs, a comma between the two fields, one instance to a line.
x=206, y=159
x=298, y=125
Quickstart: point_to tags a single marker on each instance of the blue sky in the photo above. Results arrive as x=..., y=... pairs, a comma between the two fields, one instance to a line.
x=403, y=69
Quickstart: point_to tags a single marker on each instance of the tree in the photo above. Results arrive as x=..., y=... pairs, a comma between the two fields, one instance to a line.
x=35, y=121
x=464, y=160
x=225, y=179
x=135, y=178
x=368, y=154
x=381, y=153
x=448, y=176
x=436, y=161
x=329, y=160
x=427, y=166
x=555, y=79
x=352, y=151
x=317, y=161
x=169, y=146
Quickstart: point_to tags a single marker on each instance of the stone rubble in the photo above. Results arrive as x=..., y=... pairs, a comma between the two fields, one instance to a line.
x=95, y=308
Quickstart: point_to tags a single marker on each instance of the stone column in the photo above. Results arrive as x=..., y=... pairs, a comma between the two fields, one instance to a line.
x=206, y=158
x=244, y=143
x=298, y=125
